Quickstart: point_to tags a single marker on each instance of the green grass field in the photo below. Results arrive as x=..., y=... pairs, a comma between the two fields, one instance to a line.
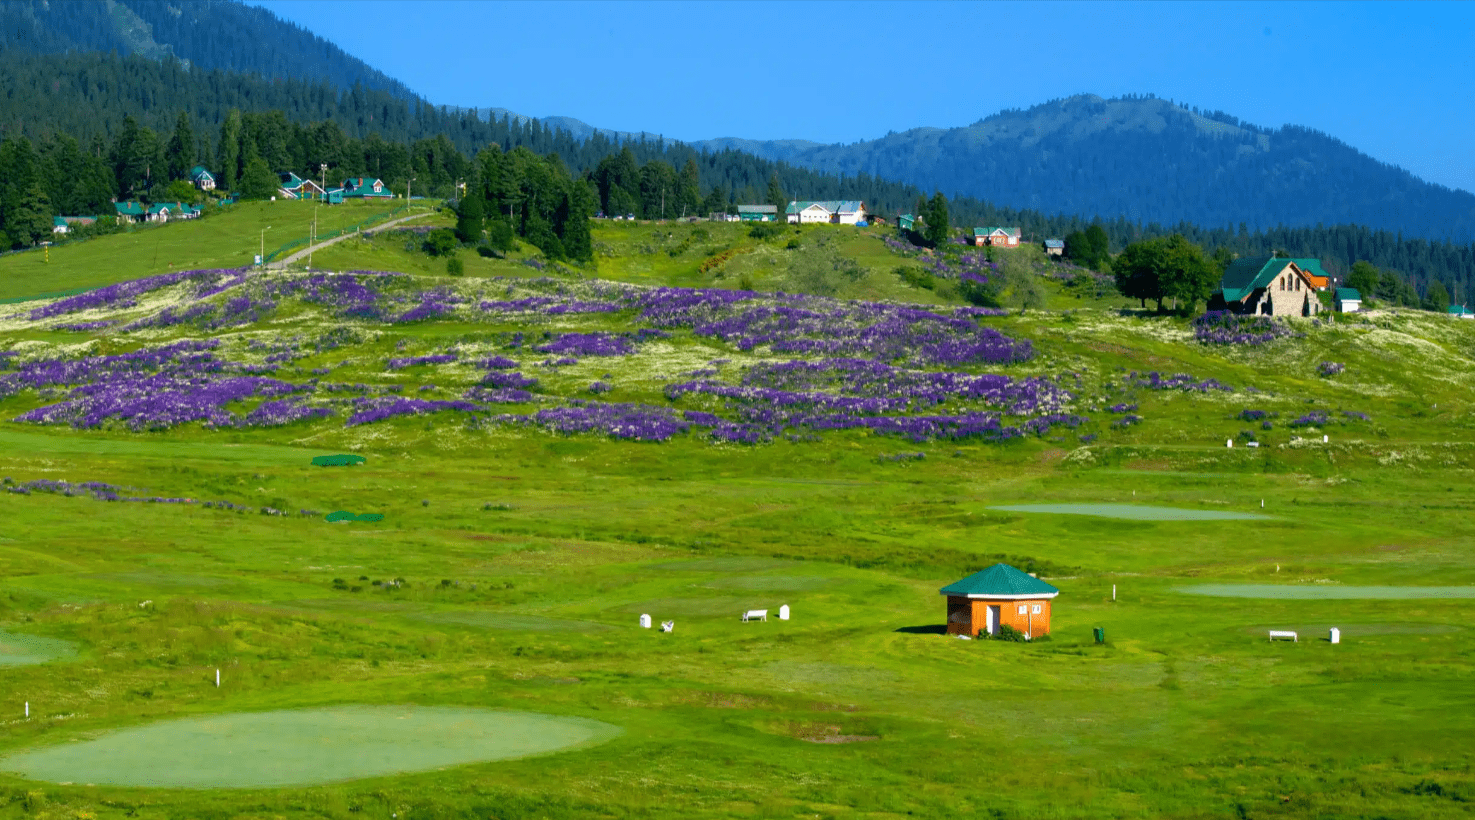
x=229, y=238
x=512, y=565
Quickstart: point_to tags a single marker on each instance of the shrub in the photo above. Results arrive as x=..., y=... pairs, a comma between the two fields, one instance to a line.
x=500, y=235
x=487, y=252
x=916, y=277
x=765, y=230
x=440, y=242
x=1009, y=633
x=455, y=267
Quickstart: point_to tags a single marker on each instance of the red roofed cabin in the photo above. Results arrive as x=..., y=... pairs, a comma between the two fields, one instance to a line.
x=998, y=596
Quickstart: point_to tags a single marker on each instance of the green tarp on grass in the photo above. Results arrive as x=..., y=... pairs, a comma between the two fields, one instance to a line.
x=337, y=461
x=345, y=515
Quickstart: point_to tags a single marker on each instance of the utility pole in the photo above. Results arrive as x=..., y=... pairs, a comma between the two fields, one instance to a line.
x=314, y=240
x=323, y=170
x=263, y=245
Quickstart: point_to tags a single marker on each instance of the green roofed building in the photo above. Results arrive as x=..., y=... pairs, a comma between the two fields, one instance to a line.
x=999, y=596
x=1350, y=301
x=1266, y=286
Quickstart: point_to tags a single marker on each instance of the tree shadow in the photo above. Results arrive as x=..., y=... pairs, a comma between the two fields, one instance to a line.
x=929, y=629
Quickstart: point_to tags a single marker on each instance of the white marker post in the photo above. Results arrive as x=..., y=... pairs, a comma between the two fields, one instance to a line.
x=217, y=679
x=1113, y=593
x=28, y=710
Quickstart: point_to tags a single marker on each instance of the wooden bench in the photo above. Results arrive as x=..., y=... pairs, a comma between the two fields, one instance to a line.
x=1280, y=633
x=755, y=615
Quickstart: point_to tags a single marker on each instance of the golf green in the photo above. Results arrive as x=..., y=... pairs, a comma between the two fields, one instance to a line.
x=21, y=650
x=1134, y=512
x=302, y=747
x=1327, y=592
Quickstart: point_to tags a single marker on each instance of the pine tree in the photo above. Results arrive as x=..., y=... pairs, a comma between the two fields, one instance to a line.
x=180, y=153
x=258, y=182
x=938, y=225
x=230, y=150
x=776, y=196
x=469, y=215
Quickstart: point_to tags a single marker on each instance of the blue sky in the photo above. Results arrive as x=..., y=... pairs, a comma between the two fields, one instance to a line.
x=1394, y=80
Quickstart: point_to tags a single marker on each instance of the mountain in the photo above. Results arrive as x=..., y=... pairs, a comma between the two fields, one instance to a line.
x=215, y=34
x=1148, y=160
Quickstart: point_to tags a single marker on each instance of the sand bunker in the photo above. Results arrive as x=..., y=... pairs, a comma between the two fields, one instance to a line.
x=1133, y=512
x=1324, y=592
x=302, y=747
x=22, y=650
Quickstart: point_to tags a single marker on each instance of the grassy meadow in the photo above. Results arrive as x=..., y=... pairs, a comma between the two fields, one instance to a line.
x=228, y=238
x=513, y=560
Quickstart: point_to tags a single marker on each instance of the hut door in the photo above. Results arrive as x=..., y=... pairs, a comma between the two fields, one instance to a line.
x=993, y=620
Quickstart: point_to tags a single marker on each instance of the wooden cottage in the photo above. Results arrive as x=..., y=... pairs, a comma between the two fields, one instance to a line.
x=1349, y=300
x=1054, y=247
x=1266, y=286
x=998, y=596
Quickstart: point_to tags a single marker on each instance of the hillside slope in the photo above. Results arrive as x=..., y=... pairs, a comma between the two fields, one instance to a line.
x=1148, y=160
x=225, y=35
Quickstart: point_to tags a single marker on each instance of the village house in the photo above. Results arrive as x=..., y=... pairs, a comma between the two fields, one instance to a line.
x=1266, y=286
x=64, y=224
x=833, y=211
x=999, y=596
x=997, y=237
x=1461, y=312
x=907, y=222
x=1348, y=300
x=365, y=188
x=757, y=213
x=295, y=187
x=1054, y=247
x=165, y=211
x=130, y=211
x=202, y=179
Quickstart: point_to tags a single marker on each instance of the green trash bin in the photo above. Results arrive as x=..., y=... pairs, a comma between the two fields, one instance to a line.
x=1099, y=634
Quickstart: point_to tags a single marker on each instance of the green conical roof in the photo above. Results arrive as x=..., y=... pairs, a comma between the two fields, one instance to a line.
x=999, y=579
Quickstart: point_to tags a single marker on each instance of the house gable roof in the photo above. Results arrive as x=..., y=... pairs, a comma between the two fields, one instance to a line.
x=834, y=206
x=129, y=208
x=1054, y=243
x=199, y=172
x=1001, y=581
x=757, y=209
x=1248, y=274
x=993, y=231
x=1348, y=295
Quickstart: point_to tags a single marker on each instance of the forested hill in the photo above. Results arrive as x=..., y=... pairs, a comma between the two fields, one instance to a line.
x=221, y=34
x=1149, y=160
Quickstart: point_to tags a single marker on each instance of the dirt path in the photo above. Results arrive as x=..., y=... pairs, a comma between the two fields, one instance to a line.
x=302, y=254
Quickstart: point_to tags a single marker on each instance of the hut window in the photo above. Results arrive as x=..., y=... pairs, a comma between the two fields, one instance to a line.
x=1036, y=609
x=1023, y=609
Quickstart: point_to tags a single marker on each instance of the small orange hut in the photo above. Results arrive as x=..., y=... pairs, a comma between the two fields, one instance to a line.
x=998, y=596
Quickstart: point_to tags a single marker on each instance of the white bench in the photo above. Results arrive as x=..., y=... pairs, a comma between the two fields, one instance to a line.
x=755, y=615
x=1280, y=633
